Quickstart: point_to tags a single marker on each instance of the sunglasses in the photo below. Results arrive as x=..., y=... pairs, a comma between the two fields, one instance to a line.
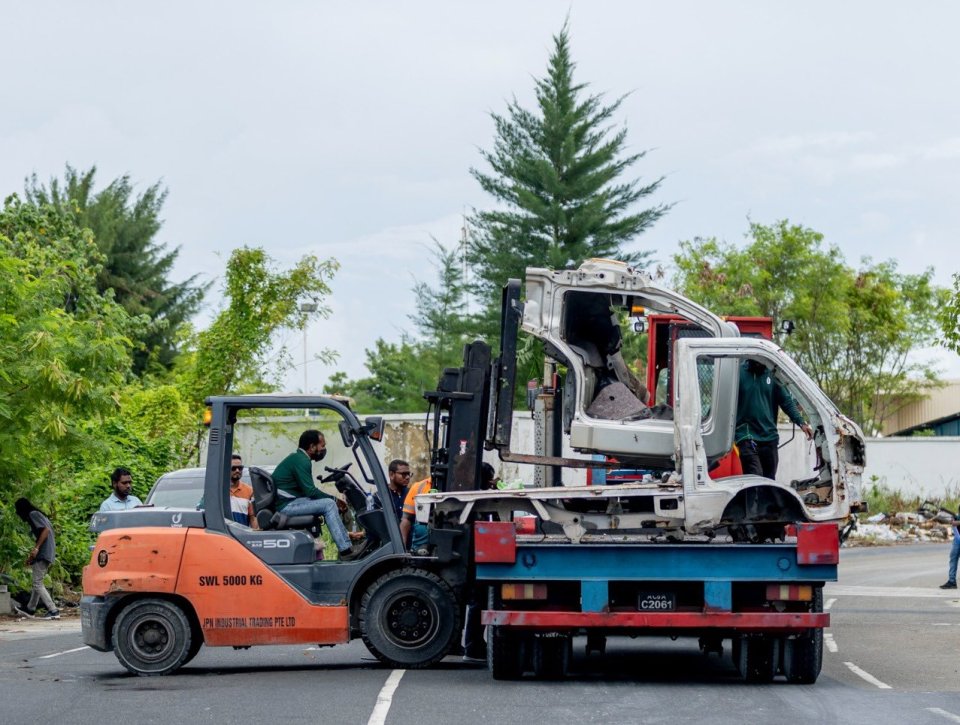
x=236, y=468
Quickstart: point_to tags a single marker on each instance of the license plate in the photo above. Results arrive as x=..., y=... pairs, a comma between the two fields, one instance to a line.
x=657, y=602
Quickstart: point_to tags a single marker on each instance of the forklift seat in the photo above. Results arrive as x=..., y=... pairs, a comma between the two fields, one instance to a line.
x=265, y=504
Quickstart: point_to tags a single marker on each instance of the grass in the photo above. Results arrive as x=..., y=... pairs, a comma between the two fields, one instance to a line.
x=881, y=499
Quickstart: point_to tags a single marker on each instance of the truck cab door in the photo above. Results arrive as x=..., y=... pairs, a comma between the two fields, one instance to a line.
x=706, y=391
x=705, y=396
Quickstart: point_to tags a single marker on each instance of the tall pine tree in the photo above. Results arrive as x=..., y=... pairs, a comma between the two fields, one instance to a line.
x=556, y=173
x=137, y=267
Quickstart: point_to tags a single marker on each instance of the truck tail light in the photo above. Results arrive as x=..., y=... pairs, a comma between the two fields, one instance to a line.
x=526, y=524
x=523, y=591
x=789, y=592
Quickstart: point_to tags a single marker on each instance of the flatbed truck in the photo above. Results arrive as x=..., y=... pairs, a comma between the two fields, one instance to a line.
x=741, y=558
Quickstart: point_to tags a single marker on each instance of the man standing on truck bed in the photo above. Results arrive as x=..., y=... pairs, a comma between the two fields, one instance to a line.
x=759, y=397
x=297, y=496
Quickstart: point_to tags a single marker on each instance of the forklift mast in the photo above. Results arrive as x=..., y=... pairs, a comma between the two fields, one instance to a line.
x=473, y=404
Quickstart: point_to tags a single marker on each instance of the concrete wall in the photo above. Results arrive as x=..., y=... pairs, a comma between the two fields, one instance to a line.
x=928, y=467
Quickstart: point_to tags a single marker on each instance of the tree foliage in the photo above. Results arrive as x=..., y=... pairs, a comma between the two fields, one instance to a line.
x=401, y=372
x=855, y=327
x=238, y=350
x=64, y=354
x=557, y=176
x=948, y=317
x=135, y=266
x=70, y=410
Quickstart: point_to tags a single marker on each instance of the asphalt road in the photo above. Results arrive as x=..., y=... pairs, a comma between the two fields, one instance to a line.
x=892, y=657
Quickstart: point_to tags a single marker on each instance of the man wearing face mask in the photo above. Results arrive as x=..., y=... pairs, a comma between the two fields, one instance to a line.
x=759, y=398
x=297, y=496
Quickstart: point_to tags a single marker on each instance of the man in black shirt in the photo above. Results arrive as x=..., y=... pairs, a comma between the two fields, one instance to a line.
x=397, y=482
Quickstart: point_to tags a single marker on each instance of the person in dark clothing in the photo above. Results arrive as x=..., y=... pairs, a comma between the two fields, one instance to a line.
x=397, y=482
x=297, y=496
x=951, y=582
x=40, y=558
x=759, y=399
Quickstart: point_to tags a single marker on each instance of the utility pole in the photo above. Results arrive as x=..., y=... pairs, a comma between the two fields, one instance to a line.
x=306, y=308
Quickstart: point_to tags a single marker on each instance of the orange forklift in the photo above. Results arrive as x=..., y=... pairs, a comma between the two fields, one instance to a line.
x=163, y=582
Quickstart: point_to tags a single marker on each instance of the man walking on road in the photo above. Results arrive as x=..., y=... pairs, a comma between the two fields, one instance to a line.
x=40, y=558
x=951, y=582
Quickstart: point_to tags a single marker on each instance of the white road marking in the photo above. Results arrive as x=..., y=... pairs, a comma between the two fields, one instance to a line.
x=380, y=710
x=65, y=652
x=856, y=591
x=867, y=676
x=830, y=602
x=829, y=643
x=943, y=713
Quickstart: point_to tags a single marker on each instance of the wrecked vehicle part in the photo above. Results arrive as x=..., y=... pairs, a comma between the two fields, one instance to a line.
x=574, y=312
x=629, y=509
x=836, y=483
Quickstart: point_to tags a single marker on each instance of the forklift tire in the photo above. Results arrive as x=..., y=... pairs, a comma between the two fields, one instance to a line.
x=803, y=656
x=551, y=656
x=756, y=658
x=409, y=618
x=152, y=637
x=196, y=642
x=506, y=653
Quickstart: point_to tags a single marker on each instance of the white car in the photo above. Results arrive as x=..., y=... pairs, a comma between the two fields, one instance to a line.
x=183, y=488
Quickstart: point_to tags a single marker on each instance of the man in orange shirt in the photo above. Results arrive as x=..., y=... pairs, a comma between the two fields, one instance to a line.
x=409, y=521
x=241, y=495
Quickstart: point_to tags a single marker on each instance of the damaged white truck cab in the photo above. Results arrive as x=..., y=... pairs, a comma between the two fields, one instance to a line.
x=579, y=315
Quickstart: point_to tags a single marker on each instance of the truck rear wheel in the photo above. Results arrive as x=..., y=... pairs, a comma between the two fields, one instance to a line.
x=803, y=656
x=152, y=637
x=506, y=653
x=756, y=658
x=409, y=618
x=551, y=656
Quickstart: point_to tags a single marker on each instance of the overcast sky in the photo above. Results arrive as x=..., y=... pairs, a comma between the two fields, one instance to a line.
x=347, y=130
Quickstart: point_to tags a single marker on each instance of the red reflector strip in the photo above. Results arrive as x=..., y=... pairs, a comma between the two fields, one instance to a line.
x=789, y=592
x=523, y=591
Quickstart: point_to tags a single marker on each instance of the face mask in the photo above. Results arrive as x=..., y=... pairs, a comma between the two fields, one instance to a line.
x=320, y=455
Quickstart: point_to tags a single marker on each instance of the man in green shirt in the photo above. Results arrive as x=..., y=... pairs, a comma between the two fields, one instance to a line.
x=298, y=496
x=759, y=398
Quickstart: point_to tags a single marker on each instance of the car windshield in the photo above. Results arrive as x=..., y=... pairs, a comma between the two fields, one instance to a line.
x=177, y=492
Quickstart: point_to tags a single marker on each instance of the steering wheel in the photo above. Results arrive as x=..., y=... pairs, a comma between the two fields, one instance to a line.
x=335, y=473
